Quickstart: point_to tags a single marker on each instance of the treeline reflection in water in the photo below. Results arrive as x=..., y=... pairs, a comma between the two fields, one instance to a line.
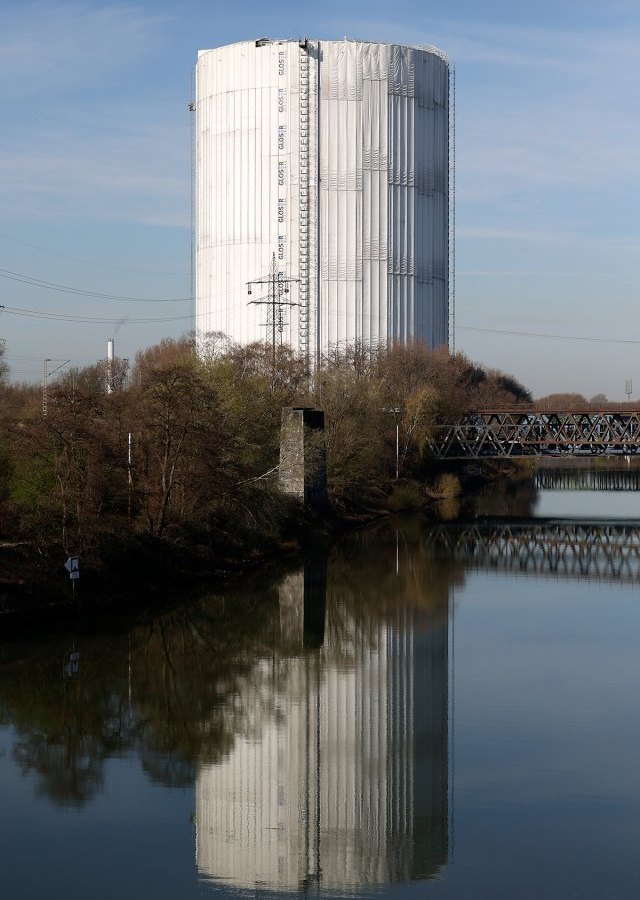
x=311, y=715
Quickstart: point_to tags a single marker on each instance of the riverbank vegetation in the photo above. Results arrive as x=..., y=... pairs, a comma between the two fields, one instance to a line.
x=179, y=466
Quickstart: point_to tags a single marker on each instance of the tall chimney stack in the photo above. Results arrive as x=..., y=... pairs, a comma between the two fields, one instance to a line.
x=110, y=366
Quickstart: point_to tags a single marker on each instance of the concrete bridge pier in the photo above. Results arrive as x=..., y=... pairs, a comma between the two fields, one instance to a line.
x=303, y=457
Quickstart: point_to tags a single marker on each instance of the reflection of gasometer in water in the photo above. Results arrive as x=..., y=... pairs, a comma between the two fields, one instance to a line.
x=341, y=780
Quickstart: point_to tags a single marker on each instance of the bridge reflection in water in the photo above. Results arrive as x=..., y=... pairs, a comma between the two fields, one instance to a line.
x=339, y=777
x=608, y=551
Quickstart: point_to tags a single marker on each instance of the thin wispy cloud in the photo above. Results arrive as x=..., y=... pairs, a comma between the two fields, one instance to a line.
x=81, y=147
x=68, y=189
x=47, y=47
x=126, y=171
x=573, y=52
x=512, y=234
x=542, y=147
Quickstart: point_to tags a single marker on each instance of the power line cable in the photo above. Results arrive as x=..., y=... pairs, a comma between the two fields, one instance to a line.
x=85, y=262
x=88, y=320
x=24, y=360
x=51, y=285
x=96, y=295
x=551, y=337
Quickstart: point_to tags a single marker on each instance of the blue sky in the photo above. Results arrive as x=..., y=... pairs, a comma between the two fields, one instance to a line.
x=95, y=171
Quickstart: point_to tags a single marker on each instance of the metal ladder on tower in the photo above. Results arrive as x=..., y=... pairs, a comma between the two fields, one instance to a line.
x=304, y=206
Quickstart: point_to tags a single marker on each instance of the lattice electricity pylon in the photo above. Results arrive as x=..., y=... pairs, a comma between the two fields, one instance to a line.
x=506, y=433
x=277, y=286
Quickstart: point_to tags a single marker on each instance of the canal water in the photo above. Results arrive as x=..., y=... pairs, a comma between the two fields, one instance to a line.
x=439, y=709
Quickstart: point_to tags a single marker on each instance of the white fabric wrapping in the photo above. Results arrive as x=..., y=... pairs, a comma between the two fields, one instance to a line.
x=348, y=187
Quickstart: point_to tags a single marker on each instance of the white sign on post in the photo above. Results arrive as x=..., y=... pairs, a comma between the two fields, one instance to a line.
x=72, y=566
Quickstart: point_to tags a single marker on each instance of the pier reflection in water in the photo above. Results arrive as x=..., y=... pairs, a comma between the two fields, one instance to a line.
x=341, y=780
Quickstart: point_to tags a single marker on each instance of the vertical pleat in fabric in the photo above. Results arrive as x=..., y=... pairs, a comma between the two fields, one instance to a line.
x=340, y=192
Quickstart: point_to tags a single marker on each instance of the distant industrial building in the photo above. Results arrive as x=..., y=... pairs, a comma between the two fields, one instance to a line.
x=322, y=172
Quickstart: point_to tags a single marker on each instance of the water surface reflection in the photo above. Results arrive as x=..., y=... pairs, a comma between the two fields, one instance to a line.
x=306, y=723
x=310, y=715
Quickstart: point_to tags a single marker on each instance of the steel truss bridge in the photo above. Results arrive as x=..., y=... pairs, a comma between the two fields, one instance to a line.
x=603, y=551
x=500, y=434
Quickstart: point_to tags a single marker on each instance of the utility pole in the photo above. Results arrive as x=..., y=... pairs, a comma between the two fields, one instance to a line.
x=129, y=480
x=46, y=375
x=277, y=286
x=45, y=378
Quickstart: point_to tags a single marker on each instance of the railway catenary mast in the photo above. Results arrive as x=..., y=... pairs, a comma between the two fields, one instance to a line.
x=334, y=155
